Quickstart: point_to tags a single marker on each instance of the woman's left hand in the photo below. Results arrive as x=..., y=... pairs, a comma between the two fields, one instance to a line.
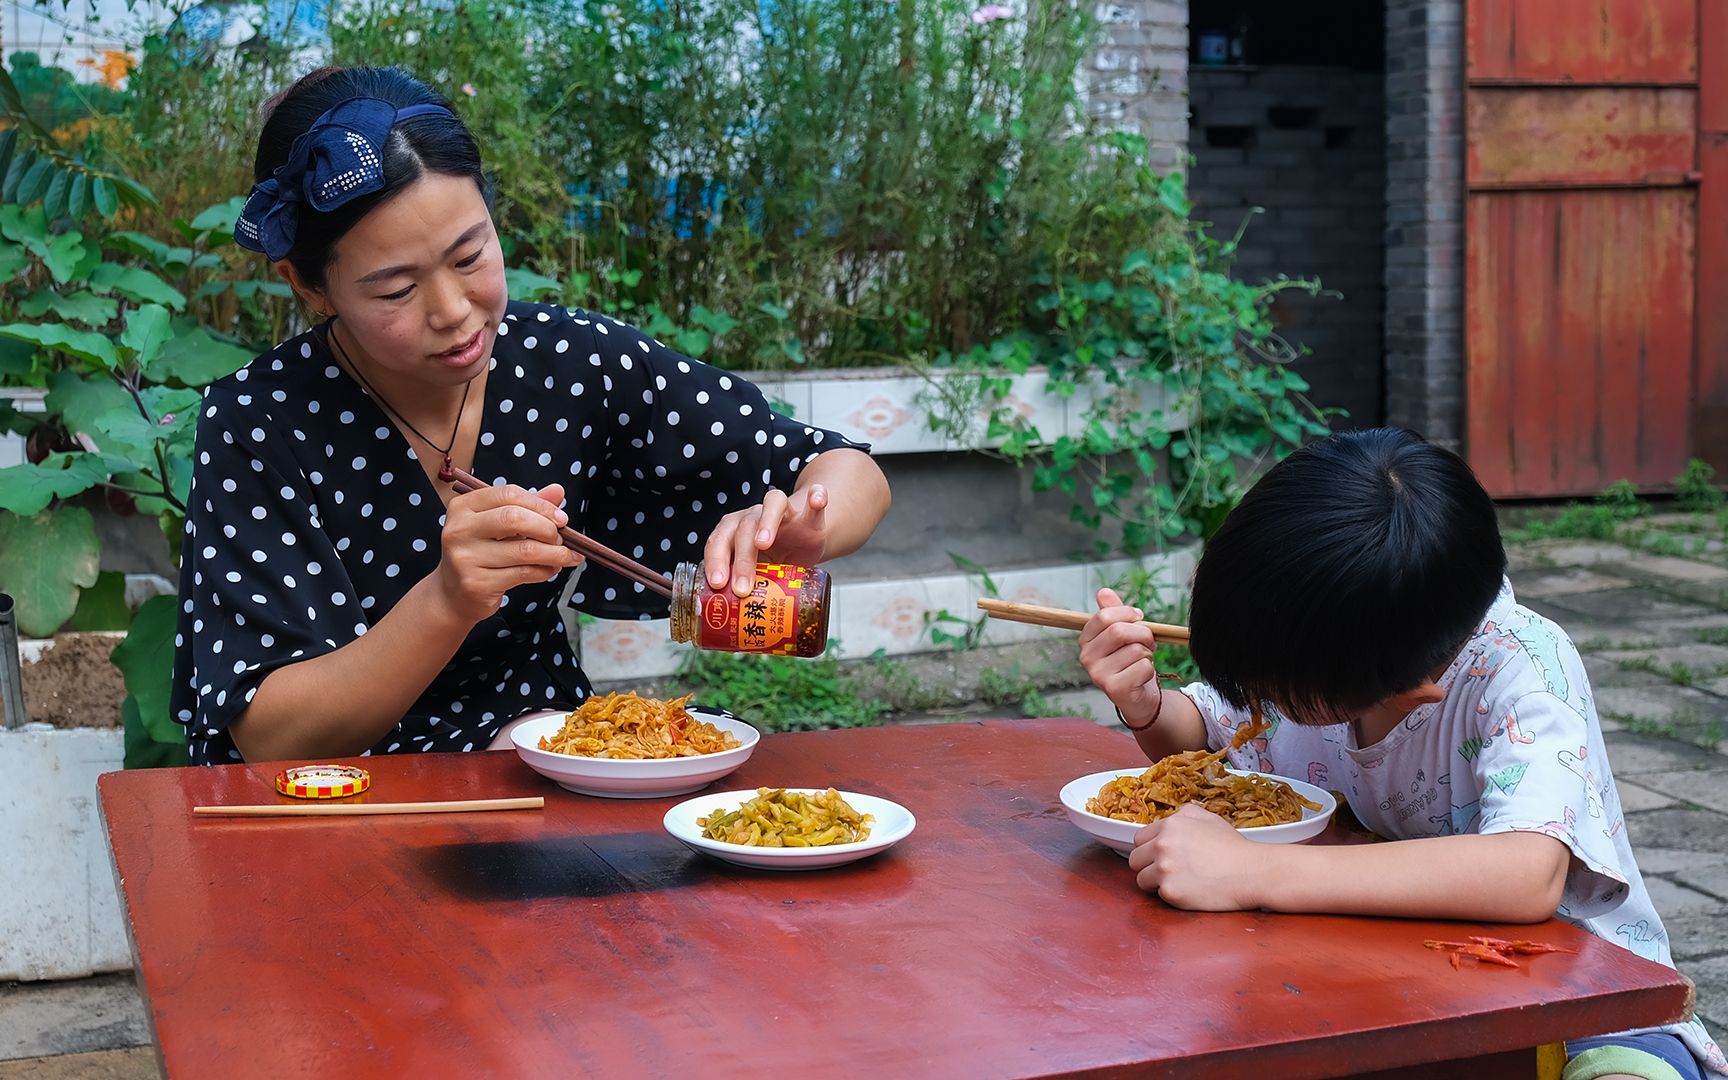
x=782, y=528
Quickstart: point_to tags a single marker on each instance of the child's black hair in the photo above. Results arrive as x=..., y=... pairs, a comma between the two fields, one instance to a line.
x=1352, y=570
x=422, y=144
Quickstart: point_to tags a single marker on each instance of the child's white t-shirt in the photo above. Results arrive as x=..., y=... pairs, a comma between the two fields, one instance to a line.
x=1515, y=745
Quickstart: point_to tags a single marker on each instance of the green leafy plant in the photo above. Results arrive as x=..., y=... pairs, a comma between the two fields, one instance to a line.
x=1017, y=688
x=1192, y=392
x=1162, y=601
x=106, y=321
x=1603, y=519
x=961, y=630
x=779, y=693
x=1695, y=489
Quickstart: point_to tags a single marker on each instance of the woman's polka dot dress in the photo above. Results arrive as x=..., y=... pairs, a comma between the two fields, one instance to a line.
x=311, y=517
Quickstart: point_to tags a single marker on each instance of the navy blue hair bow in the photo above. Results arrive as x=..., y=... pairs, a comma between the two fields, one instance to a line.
x=337, y=160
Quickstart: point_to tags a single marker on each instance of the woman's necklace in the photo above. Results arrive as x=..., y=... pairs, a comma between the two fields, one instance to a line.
x=330, y=336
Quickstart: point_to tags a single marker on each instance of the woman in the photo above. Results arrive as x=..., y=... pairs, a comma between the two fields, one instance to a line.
x=338, y=598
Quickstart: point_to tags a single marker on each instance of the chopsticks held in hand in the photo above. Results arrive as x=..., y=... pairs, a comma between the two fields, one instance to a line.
x=1061, y=619
x=594, y=550
x=339, y=809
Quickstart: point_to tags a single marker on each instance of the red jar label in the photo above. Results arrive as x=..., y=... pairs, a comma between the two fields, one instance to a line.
x=766, y=621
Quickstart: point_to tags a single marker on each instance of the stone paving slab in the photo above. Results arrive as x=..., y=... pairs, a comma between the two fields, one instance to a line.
x=71, y=1016
x=1691, y=830
x=1574, y=553
x=1631, y=754
x=1627, y=607
x=1565, y=581
x=1670, y=896
x=1658, y=860
x=1702, y=787
x=1590, y=636
x=132, y=1063
x=1634, y=798
x=1712, y=879
x=1711, y=975
x=1697, y=937
x=1703, y=658
x=1657, y=567
x=1683, y=707
x=1684, y=627
x=1605, y=671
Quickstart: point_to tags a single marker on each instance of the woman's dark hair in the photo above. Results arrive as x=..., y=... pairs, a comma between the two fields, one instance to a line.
x=1352, y=570
x=422, y=144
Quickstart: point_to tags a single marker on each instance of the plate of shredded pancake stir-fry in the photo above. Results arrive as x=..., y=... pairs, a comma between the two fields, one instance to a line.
x=789, y=828
x=631, y=728
x=629, y=746
x=1112, y=806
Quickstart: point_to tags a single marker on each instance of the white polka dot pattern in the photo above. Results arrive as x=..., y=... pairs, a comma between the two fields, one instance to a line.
x=311, y=517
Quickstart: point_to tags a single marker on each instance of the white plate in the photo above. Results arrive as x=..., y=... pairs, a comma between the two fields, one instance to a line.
x=652, y=778
x=1119, y=835
x=892, y=824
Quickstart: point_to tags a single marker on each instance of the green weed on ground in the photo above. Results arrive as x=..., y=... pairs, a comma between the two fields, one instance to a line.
x=1678, y=673
x=1686, y=725
x=1615, y=515
x=780, y=693
x=1019, y=689
x=1694, y=489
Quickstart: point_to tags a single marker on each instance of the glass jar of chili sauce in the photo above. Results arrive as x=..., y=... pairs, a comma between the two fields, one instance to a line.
x=786, y=613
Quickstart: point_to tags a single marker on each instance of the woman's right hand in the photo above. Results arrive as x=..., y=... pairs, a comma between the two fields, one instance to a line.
x=495, y=539
x=1116, y=649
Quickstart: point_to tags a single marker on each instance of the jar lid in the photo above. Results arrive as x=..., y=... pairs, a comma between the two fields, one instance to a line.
x=323, y=781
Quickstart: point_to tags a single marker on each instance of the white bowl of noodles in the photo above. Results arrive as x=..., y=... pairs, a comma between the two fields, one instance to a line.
x=632, y=778
x=1118, y=835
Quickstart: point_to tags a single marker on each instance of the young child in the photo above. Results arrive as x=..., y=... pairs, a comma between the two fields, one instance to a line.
x=1359, y=594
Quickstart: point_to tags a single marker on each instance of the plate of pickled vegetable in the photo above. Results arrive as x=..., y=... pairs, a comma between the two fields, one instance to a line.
x=789, y=828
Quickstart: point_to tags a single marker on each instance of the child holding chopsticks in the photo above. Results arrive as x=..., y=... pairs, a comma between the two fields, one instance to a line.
x=1359, y=594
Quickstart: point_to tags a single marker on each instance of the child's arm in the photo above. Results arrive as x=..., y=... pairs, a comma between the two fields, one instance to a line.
x=1116, y=651
x=1195, y=860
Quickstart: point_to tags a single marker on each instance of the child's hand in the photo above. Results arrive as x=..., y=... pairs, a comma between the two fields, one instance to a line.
x=1116, y=651
x=1197, y=861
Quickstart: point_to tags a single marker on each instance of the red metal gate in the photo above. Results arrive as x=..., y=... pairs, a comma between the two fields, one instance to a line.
x=1596, y=242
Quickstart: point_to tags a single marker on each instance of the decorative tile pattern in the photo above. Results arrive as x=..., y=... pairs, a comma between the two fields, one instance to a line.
x=882, y=410
x=886, y=407
x=621, y=649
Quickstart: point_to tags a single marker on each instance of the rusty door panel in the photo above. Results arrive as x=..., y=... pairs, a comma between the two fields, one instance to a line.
x=1579, y=338
x=1583, y=41
x=1596, y=242
x=1527, y=137
x=1712, y=409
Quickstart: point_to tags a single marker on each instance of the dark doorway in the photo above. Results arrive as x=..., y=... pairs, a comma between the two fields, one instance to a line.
x=1287, y=113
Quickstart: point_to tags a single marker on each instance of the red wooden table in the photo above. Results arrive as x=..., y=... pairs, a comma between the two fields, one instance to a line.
x=997, y=940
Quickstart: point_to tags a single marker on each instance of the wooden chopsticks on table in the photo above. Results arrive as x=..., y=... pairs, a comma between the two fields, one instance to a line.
x=617, y=562
x=339, y=809
x=1063, y=619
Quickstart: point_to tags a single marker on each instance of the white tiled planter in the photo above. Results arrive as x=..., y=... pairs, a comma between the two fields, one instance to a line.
x=886, y=406
x=889, y=615
x=59, y=908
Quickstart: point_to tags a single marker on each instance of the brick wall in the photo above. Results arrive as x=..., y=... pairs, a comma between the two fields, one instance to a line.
x=1424, y=208
x=1306, y=144
x=1137, y=79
